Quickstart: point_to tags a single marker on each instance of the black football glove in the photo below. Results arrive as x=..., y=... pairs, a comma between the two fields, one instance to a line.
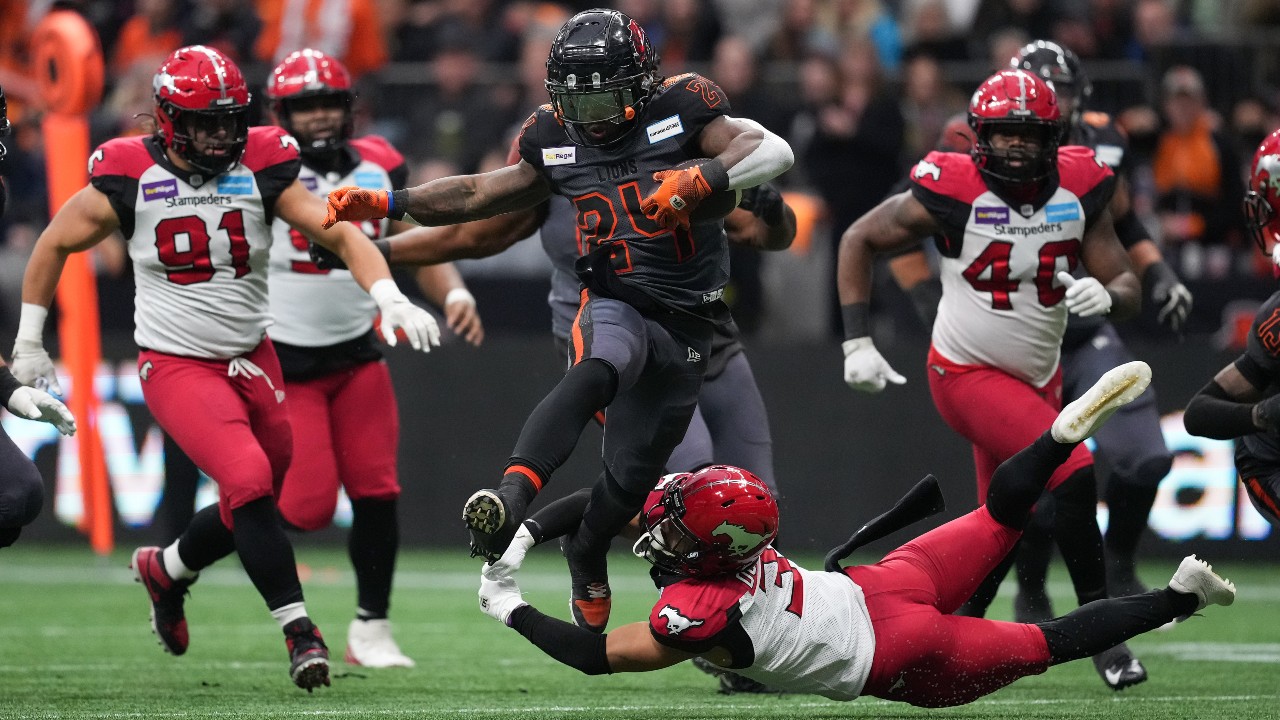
x=1166, y=293
x=1266, y=413
x=764, y=201
x=326, y=259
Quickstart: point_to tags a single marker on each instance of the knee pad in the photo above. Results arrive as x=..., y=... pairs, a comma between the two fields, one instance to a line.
x=611, y=506
x=1078, y=490
x=1149, y=472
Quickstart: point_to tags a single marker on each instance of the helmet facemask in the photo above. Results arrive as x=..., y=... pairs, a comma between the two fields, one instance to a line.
x=596, y=112
x=220, y=134
x=1030, y=161
x=320, y=138
x=666, y=542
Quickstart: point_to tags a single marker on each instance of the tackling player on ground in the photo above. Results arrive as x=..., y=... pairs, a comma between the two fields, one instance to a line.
x=652, y=278
x=882, y=630
x=195, y=202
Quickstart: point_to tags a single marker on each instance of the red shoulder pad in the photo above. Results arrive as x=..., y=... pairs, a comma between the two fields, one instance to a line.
x=696, y=610
x=949, y=174
x=126, y=156
x=377, y=150
x=269, y=145
x=1079, y=170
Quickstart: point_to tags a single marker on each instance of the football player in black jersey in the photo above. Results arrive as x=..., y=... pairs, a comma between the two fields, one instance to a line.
x=653, y=277
x=1132, y=445
x=1243, y=399
x=21, y=488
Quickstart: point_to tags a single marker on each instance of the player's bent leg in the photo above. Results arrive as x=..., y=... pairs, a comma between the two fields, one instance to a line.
x=308, y=496
x=21, y=491
x=1115, y=389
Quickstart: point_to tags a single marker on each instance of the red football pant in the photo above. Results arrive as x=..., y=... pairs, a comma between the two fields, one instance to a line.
x=999, y=414
x=926, y=656
x=233, y=427
x=345, y=432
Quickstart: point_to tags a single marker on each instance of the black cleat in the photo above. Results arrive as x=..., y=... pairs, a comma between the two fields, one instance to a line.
x=590, y=598
x=308, y=655
x=1118, y=668
x=490, y=523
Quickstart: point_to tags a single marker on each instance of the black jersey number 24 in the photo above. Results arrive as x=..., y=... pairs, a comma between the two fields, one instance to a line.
x=599, y=220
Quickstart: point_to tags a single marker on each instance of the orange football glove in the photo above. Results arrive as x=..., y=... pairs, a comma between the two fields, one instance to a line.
x=355, y=204
x=678, y=194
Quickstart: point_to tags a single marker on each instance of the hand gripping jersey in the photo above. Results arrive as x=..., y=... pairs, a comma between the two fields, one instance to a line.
x=1260, y=365
x=804, y=631
x=686, y=269
x=1001, y=300
x=199, y=244
x=320, y=308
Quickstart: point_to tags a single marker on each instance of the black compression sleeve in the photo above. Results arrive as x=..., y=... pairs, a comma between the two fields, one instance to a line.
x=1212, y=413
x=560, y=517
x=8, y=384
x=1130, y=230
x=576, y=647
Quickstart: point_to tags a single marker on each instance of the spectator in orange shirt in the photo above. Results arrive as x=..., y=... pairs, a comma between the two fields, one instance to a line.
x=347, y=29
x=147, y=37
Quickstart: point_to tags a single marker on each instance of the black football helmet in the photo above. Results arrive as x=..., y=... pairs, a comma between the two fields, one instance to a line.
x=601, y=72
x=1062, y=70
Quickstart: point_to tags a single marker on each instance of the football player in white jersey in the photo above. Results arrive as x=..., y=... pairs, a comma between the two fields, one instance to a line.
x=21, y=488
x=195, y=203
x=341, y=403
x=1012, y=219
x=884, y=630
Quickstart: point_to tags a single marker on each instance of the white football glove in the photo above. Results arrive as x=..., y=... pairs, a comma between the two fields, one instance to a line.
x=399, y=313
x=1086, y=296
x=33, y=404
x=499, y=597
x=32, y=366
x=865, y=369
x=511, y=560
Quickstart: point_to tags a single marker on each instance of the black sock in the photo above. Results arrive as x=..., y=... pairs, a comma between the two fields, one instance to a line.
x=1075, y=529
x=1128, y=507
x=265, y=552
x=206, y=540
x=372, y=546
x=1097, y=626
x=1035, y=549
x=1019, y=481
x=552, y=429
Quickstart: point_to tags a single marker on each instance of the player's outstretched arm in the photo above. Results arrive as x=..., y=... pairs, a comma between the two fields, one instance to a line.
x=445, y=201
x=1229, y=406
x=84, y=221
x=476, y=239
x=1107, y=262
x=897, y=222
x=298, y=207
x=444, y=287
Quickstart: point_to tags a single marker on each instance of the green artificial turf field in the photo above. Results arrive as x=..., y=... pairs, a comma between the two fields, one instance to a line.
x=75, y=643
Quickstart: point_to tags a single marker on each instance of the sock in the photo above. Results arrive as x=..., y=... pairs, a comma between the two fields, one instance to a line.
x=372, y=547
x=286, y=614
x=173, y=565
x=1035, y=549
x=552, y=429
x=1075, y=529
x=1097, y=626
x=519, y=486
x=266, y=554
x=205, y=541
x=1017, y=484
x=1128, y=506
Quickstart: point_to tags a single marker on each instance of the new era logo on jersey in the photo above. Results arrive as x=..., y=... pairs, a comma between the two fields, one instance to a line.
x=677, y=623
x=235, y=184
x=560, y=155
x=740, y=539
x=369, y=179
x=159, y=190
x=694, y=355
x=1062, y=212
x=991, y=215
x=665, y=128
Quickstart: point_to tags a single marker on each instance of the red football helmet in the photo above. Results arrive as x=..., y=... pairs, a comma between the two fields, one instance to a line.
x=1015, y=102
x=309, y=79
x=717, y=520
x=199, y=90
x=1262, y=199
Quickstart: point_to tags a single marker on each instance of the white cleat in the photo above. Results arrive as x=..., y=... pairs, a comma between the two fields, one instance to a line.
x=1118, y=387
x=369, y=644
x=1196, y=577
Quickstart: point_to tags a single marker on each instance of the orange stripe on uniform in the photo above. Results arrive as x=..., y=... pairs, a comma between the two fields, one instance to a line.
x=527, y=472
x=575, y=335
x=1256, y=489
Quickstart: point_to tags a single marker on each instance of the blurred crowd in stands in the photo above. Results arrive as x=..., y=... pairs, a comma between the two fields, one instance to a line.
x=861, y=89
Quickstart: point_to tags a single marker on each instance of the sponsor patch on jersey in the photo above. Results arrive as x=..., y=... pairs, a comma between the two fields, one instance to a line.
x=235, y=185
x=159, y=190
x=1062, y=212
x=1110, y=154
x=665, y=128
x=991, y=215
x=369, y=179
x=309, y=182
x=560, y=155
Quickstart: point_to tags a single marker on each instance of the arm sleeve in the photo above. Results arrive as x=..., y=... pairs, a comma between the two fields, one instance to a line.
x=576, y=647
x=1212, y=413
